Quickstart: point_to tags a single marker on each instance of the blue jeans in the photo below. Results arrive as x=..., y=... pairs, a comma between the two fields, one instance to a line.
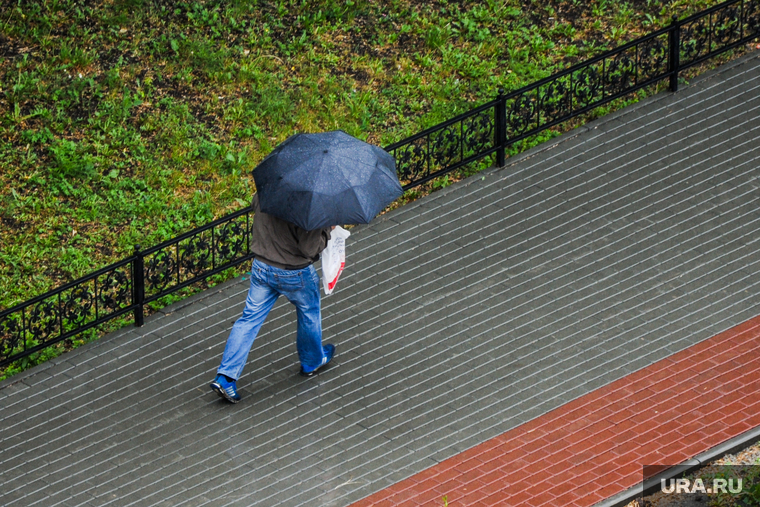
x=301, y=287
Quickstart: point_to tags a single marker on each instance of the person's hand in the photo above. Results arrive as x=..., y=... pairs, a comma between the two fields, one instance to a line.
x=333, y=227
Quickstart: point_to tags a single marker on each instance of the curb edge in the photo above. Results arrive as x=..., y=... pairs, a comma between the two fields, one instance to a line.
x=737, y=443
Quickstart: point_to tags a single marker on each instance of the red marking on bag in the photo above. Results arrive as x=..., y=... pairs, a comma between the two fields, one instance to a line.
x=331, y=285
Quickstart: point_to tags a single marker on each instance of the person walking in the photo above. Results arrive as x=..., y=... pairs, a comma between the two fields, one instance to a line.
x=283, y=265
x=305, y=186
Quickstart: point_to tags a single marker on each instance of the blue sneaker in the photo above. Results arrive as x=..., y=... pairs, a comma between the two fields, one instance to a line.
x=329, y=350
x=225, y=389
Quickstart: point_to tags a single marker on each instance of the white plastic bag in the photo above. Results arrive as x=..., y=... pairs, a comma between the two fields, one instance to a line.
x=334, y=258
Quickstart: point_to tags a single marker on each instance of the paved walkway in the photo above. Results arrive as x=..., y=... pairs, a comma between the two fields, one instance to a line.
x=487, y=306
x=593, y=448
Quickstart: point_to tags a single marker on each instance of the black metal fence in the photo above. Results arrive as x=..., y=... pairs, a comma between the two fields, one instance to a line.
x=127, y=286
x=493, y=127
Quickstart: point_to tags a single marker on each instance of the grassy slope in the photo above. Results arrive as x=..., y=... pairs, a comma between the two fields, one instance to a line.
x=126, y=122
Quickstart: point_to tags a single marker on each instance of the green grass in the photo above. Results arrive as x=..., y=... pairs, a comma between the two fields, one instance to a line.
x=127, y=122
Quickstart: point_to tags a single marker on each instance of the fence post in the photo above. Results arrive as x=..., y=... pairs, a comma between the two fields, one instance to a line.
x=501, y=129
x=138, y=286
x=674, y=43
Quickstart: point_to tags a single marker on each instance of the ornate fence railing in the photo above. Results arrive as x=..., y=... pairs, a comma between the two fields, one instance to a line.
x=127, y=286
x=493, y=127
x=192, y=257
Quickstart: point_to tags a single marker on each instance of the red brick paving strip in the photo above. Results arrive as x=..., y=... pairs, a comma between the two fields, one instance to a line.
x=595, y=446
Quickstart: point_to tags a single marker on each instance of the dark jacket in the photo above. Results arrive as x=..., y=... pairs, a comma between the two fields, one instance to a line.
x=282, y=244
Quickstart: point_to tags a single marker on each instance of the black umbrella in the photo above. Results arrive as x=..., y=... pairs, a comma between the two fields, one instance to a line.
x=332, y=178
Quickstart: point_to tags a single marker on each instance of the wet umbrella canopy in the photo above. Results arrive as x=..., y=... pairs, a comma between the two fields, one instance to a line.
x=331, y=178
